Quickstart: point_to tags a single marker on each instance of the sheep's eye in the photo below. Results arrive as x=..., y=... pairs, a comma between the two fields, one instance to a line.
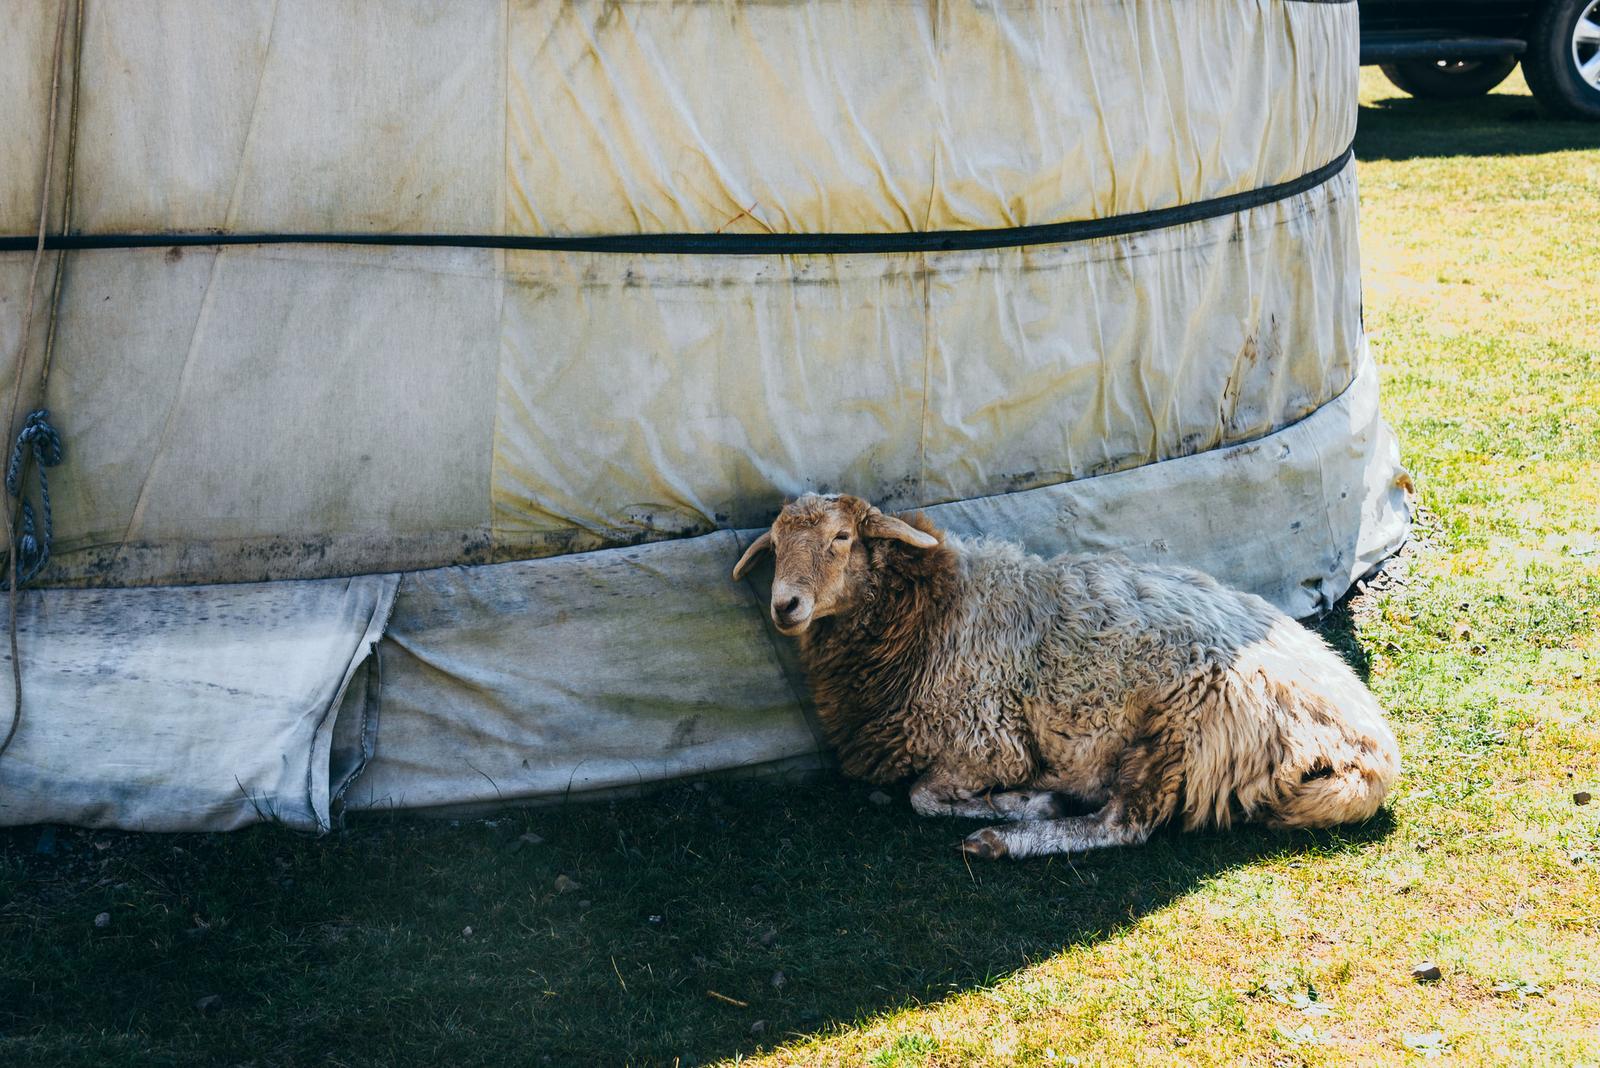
x=843, y=535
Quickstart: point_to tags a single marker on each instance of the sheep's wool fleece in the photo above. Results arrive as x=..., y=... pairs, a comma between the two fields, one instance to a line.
x=1035, y=655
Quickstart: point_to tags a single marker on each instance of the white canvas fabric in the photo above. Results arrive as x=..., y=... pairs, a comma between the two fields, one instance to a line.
x=652, y=116
x=584, y=674
x=590, y=672
x=274, y=412
x=201, y=708
x=259, y=412
x=548, y=459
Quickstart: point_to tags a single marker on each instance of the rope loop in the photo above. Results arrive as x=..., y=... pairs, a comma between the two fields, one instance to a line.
x=38, y=439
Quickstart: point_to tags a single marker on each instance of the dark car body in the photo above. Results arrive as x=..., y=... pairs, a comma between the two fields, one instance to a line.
x=1434, y=29
x=1486, y=18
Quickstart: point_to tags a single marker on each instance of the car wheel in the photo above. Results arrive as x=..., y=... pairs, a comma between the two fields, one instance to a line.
x=1562, y=63
x=1450, y=79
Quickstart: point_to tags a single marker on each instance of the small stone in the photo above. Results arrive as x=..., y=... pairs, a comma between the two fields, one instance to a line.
x=779, y=980
x=466, y=932
x=585, y=903
x=759, y=1027
x=701, y=787
x=1426, y=972
x=46, y=843
x=878, y=797
x=209, y=1004
x=1582, y=797
x=769, y=936
x=525, y=840
x=103, y=920
x=565, y=885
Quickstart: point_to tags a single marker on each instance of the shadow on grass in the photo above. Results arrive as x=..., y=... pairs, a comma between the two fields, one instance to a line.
x=700, y=923
x=706, y=922
x=1338, y=629
x=1500, y=124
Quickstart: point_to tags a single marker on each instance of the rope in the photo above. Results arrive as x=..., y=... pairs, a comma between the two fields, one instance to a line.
x=761, y=244
x=66, y=200
x=43, y=442
x=22, y=359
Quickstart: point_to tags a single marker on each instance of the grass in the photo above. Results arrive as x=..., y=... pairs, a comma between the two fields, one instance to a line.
x=836, y=931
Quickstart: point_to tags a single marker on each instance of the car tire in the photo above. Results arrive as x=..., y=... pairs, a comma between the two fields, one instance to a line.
x=1449, y=79
x=1562, y=63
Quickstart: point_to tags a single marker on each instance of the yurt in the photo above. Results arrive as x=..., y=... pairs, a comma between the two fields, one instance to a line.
x=419, y=370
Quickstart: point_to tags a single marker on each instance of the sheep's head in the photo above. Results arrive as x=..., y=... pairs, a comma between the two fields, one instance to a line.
x=821, y=555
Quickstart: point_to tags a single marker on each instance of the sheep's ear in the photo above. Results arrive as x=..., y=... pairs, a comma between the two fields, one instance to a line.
x=878, y=525
x=756, y=548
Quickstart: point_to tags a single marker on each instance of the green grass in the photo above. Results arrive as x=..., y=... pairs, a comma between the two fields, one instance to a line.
x=1481, y=244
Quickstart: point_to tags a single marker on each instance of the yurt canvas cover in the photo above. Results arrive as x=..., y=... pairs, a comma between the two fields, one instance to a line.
x=424, y=368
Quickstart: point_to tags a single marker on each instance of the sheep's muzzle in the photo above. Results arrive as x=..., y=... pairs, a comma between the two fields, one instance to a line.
x=791, y=608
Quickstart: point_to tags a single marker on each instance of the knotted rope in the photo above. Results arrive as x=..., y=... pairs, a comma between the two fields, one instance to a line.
x=32, y=546
x=20, y=454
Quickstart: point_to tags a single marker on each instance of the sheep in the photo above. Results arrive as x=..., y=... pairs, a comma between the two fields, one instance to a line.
x=1014, y=686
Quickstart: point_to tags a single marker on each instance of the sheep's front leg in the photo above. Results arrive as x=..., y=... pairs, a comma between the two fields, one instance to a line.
x=1149, y=781
x=938, y=795
x=1079, y=834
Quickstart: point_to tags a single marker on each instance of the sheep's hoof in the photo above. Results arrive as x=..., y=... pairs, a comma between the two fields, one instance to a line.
x=986, y=844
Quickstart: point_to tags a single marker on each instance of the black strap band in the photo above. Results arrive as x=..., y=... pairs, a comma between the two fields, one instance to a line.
x=745, y=244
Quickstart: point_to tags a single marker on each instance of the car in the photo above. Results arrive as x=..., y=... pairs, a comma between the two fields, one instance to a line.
x=1453, y=49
